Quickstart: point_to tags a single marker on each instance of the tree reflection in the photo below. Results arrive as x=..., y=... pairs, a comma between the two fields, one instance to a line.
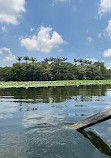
x=97, y=142
x=56, y=94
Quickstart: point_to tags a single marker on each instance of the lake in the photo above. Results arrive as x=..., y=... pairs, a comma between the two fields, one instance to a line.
x=35, y=122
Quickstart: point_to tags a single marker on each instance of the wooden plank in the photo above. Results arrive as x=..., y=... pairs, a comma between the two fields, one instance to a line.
x=97, y=118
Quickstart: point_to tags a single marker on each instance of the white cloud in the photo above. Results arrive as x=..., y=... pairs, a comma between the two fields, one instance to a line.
x=60, y=50
x=10, y=56
x=105, y=7
x=31, y=29
x=107, y=53
x=45, y=41
x=4, y=49
x=10, y=10
x=89, y=39
x=99, y=35
x=109, y=66
x=92, y=59
x=108, y=29
x=3, y=28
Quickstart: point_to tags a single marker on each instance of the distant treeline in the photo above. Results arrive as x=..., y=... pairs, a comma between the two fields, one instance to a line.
x=52, y=69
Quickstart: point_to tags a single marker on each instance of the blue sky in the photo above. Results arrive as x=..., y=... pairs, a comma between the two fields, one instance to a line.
x=55, y=28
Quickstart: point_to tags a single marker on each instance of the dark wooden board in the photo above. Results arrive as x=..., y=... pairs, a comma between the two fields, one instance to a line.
x=97, y=118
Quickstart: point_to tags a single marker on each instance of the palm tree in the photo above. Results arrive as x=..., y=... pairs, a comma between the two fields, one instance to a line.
x=64, y=59
x=86, y=62
x=46, y=60
x=89, y=62
x=52, y=59
x=75, y=61
x=19, y=59
x=33, y=59
x=58, y=59
x=26, y=58
x=81, y=61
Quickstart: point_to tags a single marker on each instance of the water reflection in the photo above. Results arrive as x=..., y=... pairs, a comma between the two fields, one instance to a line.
x=55, y=94
x=7, y=110
x=29, y=100
x=97, y=142
x=32, y=121
x=41, y=119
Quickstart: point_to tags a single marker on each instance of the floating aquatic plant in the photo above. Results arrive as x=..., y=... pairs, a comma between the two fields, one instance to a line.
x=28, y=84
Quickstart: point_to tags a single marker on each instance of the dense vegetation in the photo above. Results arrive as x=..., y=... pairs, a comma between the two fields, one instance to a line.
x=52, y=69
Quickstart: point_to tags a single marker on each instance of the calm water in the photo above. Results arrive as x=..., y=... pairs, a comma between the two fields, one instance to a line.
x=33, y=122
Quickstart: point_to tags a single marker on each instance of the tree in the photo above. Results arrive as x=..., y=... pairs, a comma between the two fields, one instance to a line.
x=86, y=62
x=100, y=65
x=52, y=59
x=75, y=61
x=88, y=72
x=56, y=69
x=64, y=59
x=46, y=60
x=89, y=62
x=26, y=58
x=81, y=61
x=19, y=59
x=108, y=74
x=5, y=73
x=33, y=59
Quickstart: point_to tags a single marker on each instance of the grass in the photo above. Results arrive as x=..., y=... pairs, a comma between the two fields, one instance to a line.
x=28, y=84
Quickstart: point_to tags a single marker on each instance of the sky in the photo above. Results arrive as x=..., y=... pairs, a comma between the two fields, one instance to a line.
x=55, y=28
